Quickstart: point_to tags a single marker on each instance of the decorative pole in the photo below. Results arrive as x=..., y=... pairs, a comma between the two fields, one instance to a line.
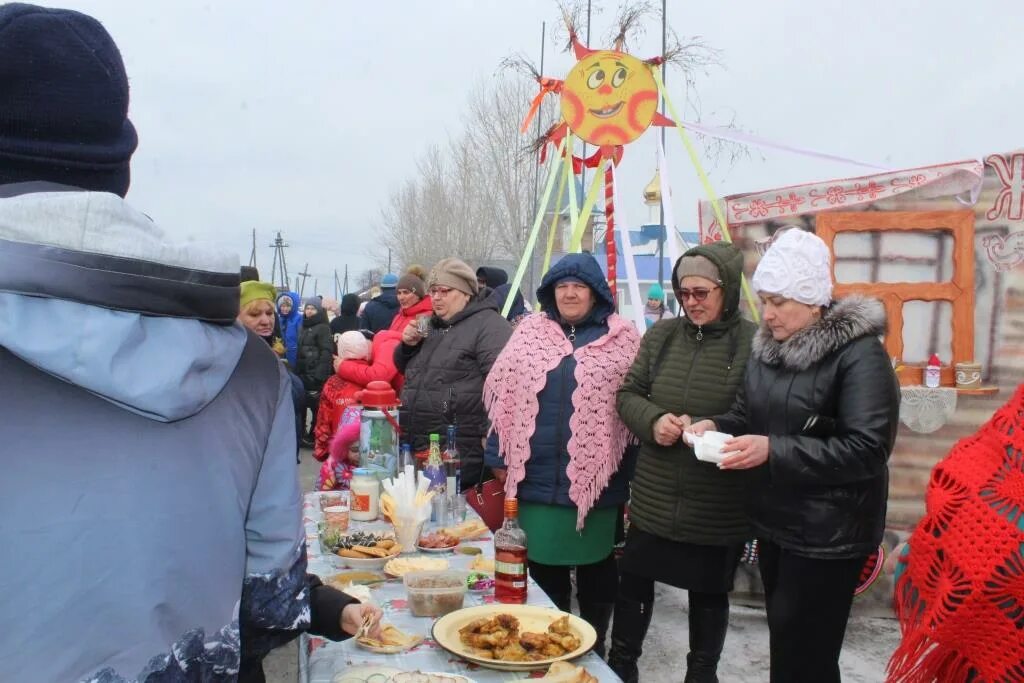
x=609, y=231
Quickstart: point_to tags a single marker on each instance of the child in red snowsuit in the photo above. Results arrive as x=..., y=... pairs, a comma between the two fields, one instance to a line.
x=338, y=393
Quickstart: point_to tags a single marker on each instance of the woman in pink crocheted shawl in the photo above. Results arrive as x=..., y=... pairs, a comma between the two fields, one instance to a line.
x=557, y=440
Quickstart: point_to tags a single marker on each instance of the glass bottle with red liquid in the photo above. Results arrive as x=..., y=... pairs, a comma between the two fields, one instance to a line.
x=510, y=558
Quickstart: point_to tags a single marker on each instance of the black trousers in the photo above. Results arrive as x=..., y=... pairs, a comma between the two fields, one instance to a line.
x=595, y=583
x=641, y=589
x=808, y=603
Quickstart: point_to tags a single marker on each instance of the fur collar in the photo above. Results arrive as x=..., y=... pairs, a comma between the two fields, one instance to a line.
x=845, y=320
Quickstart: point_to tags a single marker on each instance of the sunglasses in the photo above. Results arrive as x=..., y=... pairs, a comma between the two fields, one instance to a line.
x=698, y=294
x=439, y=291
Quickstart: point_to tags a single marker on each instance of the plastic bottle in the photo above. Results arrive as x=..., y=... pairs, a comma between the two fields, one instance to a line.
x=405, y=457
x=510, y=558
x=933, y=372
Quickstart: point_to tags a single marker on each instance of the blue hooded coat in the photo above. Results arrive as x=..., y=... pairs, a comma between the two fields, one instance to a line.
x=291, y=325
x=546, y=479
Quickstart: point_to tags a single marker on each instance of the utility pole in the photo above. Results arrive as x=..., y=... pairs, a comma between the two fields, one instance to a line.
x=345, y=288
x=536, y=171
x=583, y=154
x=280, y=268
x=304, y=274
x=663, y=234
x=389, y=259
x=252, y=255
x=337, y=286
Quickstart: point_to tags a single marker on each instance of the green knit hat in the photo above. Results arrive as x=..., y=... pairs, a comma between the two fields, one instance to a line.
x=254, y=290
x=656, y=292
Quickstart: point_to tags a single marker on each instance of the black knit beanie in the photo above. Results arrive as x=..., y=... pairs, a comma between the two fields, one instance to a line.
x=63, y=101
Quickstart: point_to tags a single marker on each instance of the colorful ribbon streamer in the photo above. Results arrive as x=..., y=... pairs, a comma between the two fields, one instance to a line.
x=708, y=189
x=531, y=243
x=576, y=245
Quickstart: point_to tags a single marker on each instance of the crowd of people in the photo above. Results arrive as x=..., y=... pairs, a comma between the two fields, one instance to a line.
x=169, y=487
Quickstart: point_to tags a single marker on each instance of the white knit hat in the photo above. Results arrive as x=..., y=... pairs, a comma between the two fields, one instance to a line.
x=353, y=344
x=796, y=266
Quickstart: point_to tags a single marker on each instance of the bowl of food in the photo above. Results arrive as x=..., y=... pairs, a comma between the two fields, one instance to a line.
x=435, y=593
x=478, y=582
x=437, y=542
x=361, y=550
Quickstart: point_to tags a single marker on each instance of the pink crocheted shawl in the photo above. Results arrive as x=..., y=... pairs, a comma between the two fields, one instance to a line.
x=598, y=436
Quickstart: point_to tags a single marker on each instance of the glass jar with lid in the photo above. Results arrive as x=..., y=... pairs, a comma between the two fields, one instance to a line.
x=365, y=495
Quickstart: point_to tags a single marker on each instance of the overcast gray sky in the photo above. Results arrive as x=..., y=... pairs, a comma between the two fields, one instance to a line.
x=301, y=116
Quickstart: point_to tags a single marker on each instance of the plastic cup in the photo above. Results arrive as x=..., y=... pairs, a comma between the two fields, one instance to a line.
x=407, y=532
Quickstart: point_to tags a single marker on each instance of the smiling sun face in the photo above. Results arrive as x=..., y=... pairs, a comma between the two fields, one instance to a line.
x=609, y=98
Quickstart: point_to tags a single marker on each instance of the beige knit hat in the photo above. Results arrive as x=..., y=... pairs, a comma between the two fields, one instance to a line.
x=454, y=273
x=698, y=266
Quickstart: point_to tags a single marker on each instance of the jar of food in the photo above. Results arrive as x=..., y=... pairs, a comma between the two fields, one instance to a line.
x=330, y=499
x=336, y=518
x=365, y=491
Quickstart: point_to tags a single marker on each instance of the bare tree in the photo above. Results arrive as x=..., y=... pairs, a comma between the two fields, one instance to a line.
x=474, y=197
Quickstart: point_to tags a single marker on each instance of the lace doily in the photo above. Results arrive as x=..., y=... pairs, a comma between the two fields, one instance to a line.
x=924, y=409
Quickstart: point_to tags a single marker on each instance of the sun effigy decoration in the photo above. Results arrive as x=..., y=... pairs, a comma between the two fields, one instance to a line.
x=608, y=99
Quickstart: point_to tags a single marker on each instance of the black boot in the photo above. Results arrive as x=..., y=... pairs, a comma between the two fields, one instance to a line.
x=629, y=628
x=598, y=615
x=707, y=636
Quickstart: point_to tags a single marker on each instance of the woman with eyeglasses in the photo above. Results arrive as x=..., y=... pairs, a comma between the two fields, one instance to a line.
x=687, y=523
x=451, y=358
x=814, y=424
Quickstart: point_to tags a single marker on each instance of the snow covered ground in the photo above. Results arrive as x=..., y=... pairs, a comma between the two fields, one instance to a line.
x=869, y=643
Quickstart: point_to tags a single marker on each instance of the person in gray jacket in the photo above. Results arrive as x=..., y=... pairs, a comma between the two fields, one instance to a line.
x=451, y=362
x=149, y=506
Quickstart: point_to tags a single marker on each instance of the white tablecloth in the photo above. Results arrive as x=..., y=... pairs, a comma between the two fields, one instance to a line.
x=320, y=659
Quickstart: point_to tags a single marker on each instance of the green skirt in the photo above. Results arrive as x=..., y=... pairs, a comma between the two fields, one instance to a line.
x=551, y=536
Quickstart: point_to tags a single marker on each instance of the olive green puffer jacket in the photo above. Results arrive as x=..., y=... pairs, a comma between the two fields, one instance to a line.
x=683, y=369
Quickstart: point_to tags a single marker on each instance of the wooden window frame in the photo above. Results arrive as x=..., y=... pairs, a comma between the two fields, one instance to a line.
x=958, y=291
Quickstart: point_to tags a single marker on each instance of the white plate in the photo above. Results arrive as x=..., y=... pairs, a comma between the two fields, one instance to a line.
x=449, y=549
x=365, y=674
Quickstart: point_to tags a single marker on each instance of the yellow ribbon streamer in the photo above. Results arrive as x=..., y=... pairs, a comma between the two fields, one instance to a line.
x=576, y=245
x=708, y=189
x=574, y=207
x=531, y=243
x=556, y=217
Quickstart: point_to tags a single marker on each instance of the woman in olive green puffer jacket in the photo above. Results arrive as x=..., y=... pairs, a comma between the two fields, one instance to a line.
x=687, y=524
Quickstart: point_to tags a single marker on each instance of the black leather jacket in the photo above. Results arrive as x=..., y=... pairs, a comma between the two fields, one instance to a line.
x=828, y=400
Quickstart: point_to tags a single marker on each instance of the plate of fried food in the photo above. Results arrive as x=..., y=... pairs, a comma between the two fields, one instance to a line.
x=437, y=542
x=363, y=550
x=471, y=528
x=514, y=637
x=400, y=566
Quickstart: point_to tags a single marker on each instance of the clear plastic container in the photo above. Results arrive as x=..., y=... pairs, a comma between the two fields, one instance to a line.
x=435, y=593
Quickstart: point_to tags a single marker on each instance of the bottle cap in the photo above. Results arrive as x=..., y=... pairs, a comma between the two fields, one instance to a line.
x=435, y=437
x=511, y=507
x=934, y=360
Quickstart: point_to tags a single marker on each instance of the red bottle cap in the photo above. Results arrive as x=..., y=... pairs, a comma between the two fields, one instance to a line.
x=934, y=360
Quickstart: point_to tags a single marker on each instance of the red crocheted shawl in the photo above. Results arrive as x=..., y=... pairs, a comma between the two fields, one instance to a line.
x=960, y=581
x=598, y=436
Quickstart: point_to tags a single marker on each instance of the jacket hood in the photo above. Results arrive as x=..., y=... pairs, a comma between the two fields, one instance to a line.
x=729, y=261
x=500, y=296
x=350, y=304
x=583, y=267
x=492, y=277
x=92, y=293
x=844, y=321
x=296, y=305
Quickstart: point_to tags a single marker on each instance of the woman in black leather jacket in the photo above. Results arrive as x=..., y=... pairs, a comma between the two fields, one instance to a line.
x=817, y=417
